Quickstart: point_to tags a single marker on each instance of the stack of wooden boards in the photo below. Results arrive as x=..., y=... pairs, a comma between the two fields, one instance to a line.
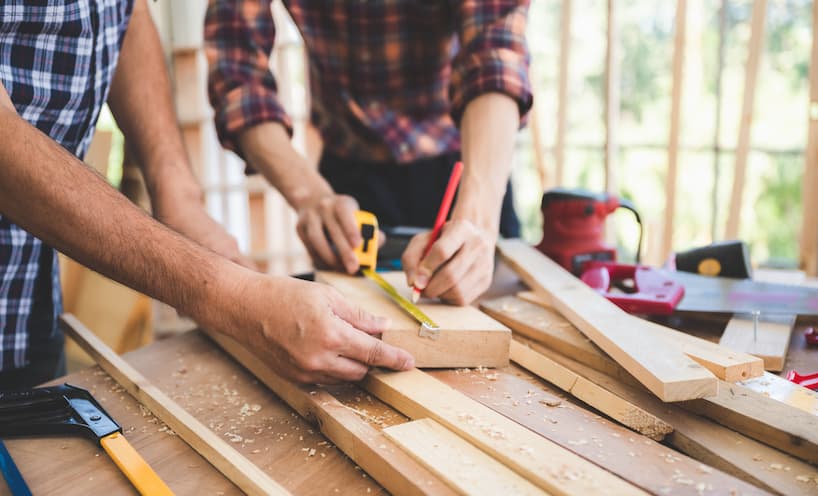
x=482, y=438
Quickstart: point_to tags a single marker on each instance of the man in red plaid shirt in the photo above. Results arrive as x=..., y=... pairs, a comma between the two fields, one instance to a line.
x=400, y=90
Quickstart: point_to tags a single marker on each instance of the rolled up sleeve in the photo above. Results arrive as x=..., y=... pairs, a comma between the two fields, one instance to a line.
x=493, y=56
x=239, y=37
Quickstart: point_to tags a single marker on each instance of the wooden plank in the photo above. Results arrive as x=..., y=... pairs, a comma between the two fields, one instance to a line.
x=562, y=92
x=542, y=462
x=724, y=449
x=615, y=407
x=745, y=124
x=468, y=338
x=612, y=99
x=538, y=147
x=809, y=188
x=665, y=371
x=756, y=415
x=540, y=407
x=679, y=46
x=770, y=342
x=780, y=389
x=214, y=449
x=467, y=469
x=724, y=363
x=345, y=427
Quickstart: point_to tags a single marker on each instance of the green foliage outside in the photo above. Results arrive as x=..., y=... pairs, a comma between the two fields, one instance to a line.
x=771, y=213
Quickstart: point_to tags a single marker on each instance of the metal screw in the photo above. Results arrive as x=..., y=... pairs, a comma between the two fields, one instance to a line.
x=756, y=315
x=95, y=417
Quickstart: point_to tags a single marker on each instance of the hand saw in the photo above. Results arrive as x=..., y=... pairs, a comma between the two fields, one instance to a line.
x=68, y=409
x=367, y=254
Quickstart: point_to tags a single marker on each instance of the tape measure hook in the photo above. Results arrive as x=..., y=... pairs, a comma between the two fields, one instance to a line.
x=427, y=331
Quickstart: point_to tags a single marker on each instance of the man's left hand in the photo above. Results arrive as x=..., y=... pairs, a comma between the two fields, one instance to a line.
x=459, y=265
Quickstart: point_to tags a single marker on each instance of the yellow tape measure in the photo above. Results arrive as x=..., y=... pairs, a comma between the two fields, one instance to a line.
x=367, y=253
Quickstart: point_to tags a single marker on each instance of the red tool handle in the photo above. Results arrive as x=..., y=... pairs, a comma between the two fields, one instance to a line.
x=809, y=381
x=653, y=293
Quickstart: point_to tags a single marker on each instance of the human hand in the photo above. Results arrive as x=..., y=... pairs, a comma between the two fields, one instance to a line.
x=329, y=222
x=306, y=331
x=459, y=265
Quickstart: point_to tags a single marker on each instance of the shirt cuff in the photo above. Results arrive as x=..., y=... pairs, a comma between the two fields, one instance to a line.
x=498, y=70
x=243, y=108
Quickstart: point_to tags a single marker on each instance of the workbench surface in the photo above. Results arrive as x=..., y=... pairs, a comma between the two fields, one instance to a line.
x=219, y=392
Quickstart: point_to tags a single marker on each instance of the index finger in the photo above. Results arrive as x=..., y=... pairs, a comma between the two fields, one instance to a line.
x=371, y=351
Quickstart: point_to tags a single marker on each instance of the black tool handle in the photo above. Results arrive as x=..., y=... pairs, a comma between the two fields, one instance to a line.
x=724, y=259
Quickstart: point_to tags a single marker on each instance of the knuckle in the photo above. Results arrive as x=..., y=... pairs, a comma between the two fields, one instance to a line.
x=375, y=353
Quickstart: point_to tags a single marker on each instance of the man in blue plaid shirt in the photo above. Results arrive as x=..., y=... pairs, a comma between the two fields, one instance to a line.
x=58, y=65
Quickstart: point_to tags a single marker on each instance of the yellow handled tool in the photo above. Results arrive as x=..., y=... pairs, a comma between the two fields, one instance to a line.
x=367, y=253
x=67, y=409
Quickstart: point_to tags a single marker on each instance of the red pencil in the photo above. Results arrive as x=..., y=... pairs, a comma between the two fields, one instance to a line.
x=442, y=213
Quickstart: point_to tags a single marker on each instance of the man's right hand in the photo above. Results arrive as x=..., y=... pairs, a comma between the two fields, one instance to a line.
x=328, y=229
x=307, y=332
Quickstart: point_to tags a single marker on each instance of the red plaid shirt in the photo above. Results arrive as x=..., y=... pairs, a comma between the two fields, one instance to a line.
x=390, y=79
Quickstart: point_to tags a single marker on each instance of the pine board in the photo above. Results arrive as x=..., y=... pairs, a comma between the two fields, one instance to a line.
x=770, y=344
x=665, y=371
x=468, y=338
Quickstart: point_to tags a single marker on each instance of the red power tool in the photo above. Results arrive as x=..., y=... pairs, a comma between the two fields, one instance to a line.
x=574, y=226
x=573, y=236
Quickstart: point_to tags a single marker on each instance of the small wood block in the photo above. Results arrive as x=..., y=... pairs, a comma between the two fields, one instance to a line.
x=468, y=337
x=773, y=338
x=465, y=468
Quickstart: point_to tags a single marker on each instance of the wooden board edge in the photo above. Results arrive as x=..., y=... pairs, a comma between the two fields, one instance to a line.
x=617, y=408
x=362, y=442
x=422, y=438
x=226, y=459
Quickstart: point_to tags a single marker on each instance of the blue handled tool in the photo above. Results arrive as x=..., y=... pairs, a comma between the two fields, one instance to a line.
x=14, y=479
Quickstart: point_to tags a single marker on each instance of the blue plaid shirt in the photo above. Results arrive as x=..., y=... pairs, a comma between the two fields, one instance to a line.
x=57, y=59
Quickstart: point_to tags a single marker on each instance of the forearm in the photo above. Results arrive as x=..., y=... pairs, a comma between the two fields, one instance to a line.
x=54, y=196
x=140, y=100
x=267, y=148
x=488, y=130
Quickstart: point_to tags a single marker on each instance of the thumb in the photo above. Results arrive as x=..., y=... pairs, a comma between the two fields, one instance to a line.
x=359, y=318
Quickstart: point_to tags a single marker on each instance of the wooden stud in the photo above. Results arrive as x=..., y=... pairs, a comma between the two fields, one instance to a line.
x=809, y=188
x=754, y=414
x=241, y=471
x=468, y=338
x=611, y=405
x=679, y=46
x=770, y=344
x=664, y=370
x=538, y=146
x=746, y=122
x=612, y=100
x=562, y=92
x=346, y=428
x=542, y=462
x=464, y=467
x=723, y=362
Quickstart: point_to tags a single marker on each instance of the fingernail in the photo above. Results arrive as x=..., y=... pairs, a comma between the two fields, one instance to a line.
x=409, y=363
x=421, y=280
x=382, y=323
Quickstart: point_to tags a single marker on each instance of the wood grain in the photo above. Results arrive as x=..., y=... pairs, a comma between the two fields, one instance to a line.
x=468, y=338
x=754, y=414
x=725, y=363
x=608, y=403
x=467, y=469
x=216, y=450
x=362, y=442
x=665, y=371
x=770, y=342
x=542, y=462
